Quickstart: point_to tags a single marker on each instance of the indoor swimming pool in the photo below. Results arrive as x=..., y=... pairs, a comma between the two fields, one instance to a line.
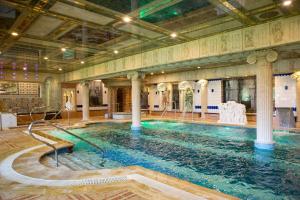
x=217, y=157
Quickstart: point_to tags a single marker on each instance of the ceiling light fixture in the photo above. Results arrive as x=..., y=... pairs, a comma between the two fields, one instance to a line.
x=82, y=62
x=287, y=2
x=24, y=68
x=14, y=34
x=151, y=73
x=126, y=19
x=46, y=58
x=162, y=72
x=116, y=51
x=173, y=35
x=198, y=67
x=63, y=49
x=59, y=69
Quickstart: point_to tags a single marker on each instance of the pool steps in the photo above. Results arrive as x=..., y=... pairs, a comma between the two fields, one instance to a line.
x=8, y=172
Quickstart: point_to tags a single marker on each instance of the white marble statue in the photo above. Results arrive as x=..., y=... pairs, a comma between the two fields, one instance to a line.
x=232, y=113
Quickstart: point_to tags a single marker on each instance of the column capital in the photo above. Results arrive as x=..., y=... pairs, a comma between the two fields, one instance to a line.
x=267, y=54
x=203, y=82
x=135, y=75
x=296, y=75
x=85, y=83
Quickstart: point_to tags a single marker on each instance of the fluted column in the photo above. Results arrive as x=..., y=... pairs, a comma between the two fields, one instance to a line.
x=203, y=95
x=85, y=101
x=264, y=109
x=111, y=101
x=136, y=99
x=296, y=76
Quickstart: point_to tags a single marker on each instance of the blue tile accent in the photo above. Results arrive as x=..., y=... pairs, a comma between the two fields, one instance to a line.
x=213, y=107
x=287, y=74
x=217, y=79
x=293, y=108
x=156, y=106
x=197, y=107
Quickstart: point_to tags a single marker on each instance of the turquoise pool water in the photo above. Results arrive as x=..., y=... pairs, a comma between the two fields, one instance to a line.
x=217, y=157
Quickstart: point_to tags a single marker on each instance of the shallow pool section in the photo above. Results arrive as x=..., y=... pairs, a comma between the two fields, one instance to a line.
x=217, y=157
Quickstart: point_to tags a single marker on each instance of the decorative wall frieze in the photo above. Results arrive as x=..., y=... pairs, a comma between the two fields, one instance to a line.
x=271, y=34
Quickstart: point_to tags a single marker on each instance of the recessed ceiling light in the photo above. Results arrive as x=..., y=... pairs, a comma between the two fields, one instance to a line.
x=46, y=58
x=162, y=72
x=82, y=62
x=173, y=35
x=116, y=51
x=59, y=69
x=14, y=34
x=63, y=49
x=0, y=52
x=287, y=2
x=24, y=68
x=151, y=73
x=198, y=67
x=126, y=19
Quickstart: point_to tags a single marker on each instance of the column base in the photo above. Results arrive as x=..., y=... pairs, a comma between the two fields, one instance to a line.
x=135, y=128
x=264, y=146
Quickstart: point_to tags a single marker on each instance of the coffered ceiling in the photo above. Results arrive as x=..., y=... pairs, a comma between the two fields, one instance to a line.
x=93, y=31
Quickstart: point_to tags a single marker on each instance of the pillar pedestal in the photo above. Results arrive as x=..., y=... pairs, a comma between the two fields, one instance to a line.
x=264, y=89
x=85, y=101
x=136, y=99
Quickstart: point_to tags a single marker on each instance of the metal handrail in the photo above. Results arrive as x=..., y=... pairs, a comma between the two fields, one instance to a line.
x=62, y=129
x=35, y=108
x=166, y=109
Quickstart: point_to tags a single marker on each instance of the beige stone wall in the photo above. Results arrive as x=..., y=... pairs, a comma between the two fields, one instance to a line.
x=271, y=34
x=281, y=66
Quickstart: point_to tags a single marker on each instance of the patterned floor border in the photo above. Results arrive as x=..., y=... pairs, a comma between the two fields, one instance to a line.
x=7, y=171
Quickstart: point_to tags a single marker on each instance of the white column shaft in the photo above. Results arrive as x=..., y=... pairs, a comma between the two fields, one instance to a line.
x=264, y=102
x=85, y=102
x=136, y=102
x=203, y=94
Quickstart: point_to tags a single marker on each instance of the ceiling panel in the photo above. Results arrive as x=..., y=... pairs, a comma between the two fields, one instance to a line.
x=79, y=13
x=43, y=26
x=125, y=43
x=87, y=35
x=139, y=31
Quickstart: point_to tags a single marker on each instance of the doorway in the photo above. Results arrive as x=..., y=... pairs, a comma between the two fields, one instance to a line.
x=120, y=100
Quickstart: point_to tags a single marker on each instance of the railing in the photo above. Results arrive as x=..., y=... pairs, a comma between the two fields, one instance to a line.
x=64, y=130
x=166, y=109
x=36, y=108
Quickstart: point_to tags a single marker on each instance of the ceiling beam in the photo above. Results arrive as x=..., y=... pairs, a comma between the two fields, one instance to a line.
x=233, y=11
x=152, y=7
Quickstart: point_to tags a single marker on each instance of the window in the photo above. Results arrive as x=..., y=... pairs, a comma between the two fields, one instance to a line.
x=241, y=91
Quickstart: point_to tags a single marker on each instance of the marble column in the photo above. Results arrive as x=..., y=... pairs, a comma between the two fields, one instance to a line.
x=136, y=99
x=264, y=88
x=111, y=101
x=85, y=101
x=203, y=95
x=296, y=76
